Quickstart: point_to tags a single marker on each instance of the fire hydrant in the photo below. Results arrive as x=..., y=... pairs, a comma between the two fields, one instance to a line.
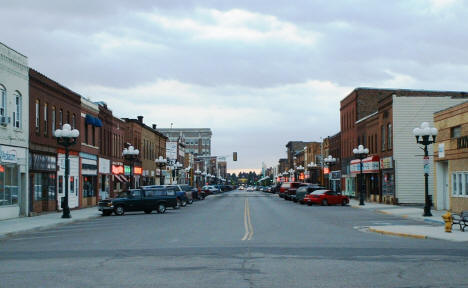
x=448, y=222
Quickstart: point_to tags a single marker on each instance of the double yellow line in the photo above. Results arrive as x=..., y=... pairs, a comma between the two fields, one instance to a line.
x=247, y=222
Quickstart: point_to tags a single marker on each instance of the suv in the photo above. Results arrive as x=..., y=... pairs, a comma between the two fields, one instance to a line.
x=187, y=189
x=182, y=198
x=286, y=186
x=141, y=199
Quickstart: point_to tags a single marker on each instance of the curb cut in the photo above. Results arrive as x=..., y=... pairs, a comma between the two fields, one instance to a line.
x=398, y=234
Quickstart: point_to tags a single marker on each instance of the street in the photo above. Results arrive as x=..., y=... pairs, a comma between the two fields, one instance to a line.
x=235, y=239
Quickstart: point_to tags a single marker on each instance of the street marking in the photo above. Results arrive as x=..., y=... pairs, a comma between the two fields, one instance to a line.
x=247, y=222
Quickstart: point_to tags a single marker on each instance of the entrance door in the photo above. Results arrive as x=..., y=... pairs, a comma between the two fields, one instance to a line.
x=443, y=197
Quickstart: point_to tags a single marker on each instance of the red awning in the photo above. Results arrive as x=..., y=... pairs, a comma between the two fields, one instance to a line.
x=374, y=158
x=121, y=178
x=355, y=161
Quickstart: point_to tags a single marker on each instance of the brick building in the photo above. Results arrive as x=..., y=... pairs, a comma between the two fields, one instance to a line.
x=105, y=151
x=451, y=158
x=119, y=181
x=51, y=105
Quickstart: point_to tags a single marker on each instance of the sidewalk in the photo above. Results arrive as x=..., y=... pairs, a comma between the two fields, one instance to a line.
x=18, y=225
x=430, y=227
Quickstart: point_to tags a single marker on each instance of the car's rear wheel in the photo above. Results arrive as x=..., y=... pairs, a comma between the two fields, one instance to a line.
x=161, y=208
x=324, y=202
x=119, y=210
x=147, y=211
x=344, y=202
x=302, y=202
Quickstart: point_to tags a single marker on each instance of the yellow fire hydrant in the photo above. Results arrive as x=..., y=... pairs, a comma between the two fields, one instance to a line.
x=448, y=222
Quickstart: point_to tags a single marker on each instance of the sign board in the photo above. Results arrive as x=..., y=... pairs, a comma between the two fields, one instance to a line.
x=427, y=168
x=426, y=160
x=171, y=150
x=8, y=154
x=355, y=166
x=104, y=166
x=386, y=163
x=441, y=149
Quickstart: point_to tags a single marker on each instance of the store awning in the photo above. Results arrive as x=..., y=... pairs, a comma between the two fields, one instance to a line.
x=121, y=178
x=94, y=121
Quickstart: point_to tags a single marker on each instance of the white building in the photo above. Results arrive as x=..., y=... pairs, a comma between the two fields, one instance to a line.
x=14, y=133
x=408, y=113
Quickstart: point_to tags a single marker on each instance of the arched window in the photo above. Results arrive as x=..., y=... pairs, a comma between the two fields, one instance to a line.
x=2, y=100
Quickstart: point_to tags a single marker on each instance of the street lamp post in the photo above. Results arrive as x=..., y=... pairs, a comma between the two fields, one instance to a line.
x=299, y=169
x=66, y=137
x=329, y=161
x=161, y=162
x=291, y=173
x=310, y=166
x=204, y=178
x=131, y=154
x=422, y=135
x=197, y=178
x=177, y=166
x=187, y=172
x=361, y=153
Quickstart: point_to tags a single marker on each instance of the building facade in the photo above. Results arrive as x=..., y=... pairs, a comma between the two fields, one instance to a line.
x=50, y=106
x=197, y=141
x=451, y=158
x=14, y=133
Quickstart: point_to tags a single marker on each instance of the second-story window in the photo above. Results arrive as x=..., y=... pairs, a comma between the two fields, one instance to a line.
x=73, y=121
x=94, y=135
x=383, y=132
x=45, y=119
x=2, y=101
x=389, y=135
x=18, y=108
x=60, y=118
x=53, y=120
x=37, y=115
x=86, y=137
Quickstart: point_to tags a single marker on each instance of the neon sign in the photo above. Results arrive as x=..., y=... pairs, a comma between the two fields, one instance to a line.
x=137, y=170
x=117, y=169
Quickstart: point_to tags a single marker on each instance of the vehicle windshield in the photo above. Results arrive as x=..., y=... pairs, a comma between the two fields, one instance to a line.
x=124, y=194
x=319, y=192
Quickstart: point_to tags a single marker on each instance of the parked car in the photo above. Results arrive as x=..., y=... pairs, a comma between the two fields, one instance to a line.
x=141, y=199
x=187, y=189
x=302, y=191
x=210, y=189
x=241, y=187
x=286, y=186
x=276, y=188
x=326, y=197
x=291, y=193
x=181, y=195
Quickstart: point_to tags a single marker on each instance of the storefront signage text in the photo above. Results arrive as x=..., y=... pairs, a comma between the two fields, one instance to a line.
x=386, y=163
x=8, y=156
x=127, y=170
x=117, y=169
x=137, y=170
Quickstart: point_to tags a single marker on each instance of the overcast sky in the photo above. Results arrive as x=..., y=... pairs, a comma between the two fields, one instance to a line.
x=258, y=73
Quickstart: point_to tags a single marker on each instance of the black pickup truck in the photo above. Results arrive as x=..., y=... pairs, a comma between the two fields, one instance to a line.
x=141, y=199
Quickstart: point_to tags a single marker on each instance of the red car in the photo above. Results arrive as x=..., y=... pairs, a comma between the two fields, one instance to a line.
x=326, y=197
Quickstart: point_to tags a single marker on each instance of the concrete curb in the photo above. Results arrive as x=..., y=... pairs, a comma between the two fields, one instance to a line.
x=398, y=234
x=4, y=236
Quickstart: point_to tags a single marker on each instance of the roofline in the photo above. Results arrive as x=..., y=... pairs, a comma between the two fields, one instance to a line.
x=14, y=50
x=145, y=126
x=451, y=107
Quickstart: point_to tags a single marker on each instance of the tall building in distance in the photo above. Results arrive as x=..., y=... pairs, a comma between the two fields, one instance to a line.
x=197, y=140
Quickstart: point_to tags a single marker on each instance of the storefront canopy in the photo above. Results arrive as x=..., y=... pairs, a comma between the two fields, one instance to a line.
x=91, y=120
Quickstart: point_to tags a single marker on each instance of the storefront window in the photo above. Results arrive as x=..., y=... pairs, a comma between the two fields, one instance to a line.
x=9, y=184
x=44, y=186
x=89, y=184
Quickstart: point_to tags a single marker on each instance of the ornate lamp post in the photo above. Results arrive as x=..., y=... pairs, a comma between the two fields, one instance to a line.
x=66, y=137
x=161, y=162
x=187, y=171
x=309, y=167
x=131, y=154
x=204, y=178
x=422, y=135
x=300, y=169
x=177, y=166
x=197, y=178
x=361, y=153
x=329, y=161
x=291, y=174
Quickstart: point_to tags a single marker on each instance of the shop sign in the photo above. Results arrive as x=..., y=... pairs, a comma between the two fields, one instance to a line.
x=137, y=170
x=326, y=170
x=301, y=176
x=43, y=162
x=171, y=150
x=441, y=150
x=117, y=169
x=386, y=163
x=336, y=175
x=104, y=166
x=371, y=165
x=8, y=154
x=152, y=173
x=355, y=166
x=88, y=167
x=127, y=170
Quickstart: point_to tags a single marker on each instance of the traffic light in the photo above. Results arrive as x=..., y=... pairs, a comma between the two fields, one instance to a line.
x=234, y=156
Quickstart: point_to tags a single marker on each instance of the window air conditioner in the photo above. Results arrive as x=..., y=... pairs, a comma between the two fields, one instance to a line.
x=4, y=120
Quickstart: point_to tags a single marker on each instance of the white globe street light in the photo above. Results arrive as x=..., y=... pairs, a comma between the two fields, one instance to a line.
x=361, y=153
x=131, y=154
x=66, y=137
x=161, y=162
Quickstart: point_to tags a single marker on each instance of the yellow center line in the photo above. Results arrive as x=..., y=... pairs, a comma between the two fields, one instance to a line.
x=247, y=222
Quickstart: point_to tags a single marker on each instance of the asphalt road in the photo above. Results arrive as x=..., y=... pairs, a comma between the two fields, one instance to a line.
x=236, y=239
